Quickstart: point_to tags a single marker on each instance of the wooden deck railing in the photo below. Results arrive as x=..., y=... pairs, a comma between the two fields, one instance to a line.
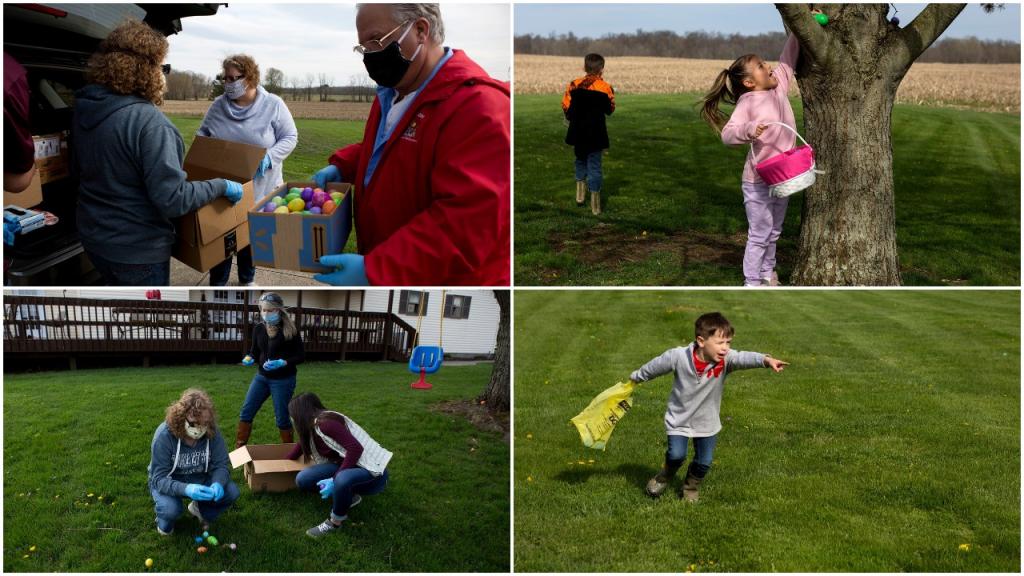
x=51, y=325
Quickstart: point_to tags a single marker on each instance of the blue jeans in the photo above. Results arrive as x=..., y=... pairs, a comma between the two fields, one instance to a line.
x=703, y=451
x=121, y=274
x=168, y=508
x=590, y=170
x=262, y=388
x=221, y=273
x=350, y=482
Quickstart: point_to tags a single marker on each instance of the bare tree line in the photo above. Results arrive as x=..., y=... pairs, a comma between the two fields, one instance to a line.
x=187, y=85
x=715, y=46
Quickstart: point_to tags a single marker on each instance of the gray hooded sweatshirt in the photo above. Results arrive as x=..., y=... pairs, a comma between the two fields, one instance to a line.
x=128, y=157
x=696, y=399
x=266, y=122
x=174, y=464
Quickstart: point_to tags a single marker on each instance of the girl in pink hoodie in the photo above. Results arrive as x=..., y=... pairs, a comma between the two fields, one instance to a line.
x=761, y=95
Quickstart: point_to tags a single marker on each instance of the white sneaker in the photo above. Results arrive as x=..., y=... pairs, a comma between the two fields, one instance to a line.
x=249, y=284
x=162, y=533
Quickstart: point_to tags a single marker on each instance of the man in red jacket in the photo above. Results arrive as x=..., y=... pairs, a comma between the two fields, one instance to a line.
x=431, y=176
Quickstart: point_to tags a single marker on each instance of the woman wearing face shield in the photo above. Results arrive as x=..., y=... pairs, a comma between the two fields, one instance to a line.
x=276, y=349
x=247, y=113
x=431, y=175
x=190, y=460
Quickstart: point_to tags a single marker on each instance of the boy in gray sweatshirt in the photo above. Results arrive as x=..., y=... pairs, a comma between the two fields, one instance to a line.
x=696, y=398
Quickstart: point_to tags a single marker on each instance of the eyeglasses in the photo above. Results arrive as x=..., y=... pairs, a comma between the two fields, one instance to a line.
x=166, y=69
x=375, y=45
x=233, y=78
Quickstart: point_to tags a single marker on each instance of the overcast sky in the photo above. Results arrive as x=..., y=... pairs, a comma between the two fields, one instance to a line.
x=313, y=38
x=598, y=19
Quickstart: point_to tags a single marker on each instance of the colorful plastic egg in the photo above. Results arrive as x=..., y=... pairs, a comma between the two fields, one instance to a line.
x=149, y=562
x=328, y=207
x=297, y=205
x=278, y=200
x=337, y=196
x=281, y=210
x=319, y=198
x=315, y=210
x=201, y=549
x=295, y=190
x=212, y=540
x=307, y=193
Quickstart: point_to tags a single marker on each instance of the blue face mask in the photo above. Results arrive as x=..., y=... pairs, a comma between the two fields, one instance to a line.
x=272, y=318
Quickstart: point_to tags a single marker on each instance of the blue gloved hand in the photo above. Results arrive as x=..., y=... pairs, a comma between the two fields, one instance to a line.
x=326, y=487
x=218, y=491
x=329, y=173
x=233, y=192
x=263, y=167
x=352, y=270
x=273, y=365
x=248, y=361
x=199, y=492
x=10, y=230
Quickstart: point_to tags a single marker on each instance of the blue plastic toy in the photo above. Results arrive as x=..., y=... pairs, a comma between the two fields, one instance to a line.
x=427, y=359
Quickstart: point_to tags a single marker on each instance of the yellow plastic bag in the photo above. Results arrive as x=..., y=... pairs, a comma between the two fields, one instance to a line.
x=597, y=421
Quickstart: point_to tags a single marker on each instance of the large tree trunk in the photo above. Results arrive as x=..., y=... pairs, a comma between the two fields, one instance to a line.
x=848, y=76
x=497, y=394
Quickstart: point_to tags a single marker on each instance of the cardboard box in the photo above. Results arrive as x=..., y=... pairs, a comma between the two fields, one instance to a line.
x=266, y=468
x=52, y=164
x=27, y=198
x=297, y=241
x=216, y=231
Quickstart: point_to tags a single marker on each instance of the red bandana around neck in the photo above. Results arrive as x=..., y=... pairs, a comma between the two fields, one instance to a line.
x=706, y=368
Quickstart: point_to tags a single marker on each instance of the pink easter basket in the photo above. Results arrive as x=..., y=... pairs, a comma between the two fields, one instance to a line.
x=789, y=172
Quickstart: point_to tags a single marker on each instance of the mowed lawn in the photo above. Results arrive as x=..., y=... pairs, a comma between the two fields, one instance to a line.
x=76, y=447
x=892, y=440
x=318, y=139
x=674, y=211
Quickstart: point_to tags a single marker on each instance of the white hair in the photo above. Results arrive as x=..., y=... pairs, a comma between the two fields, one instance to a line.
x=401, y=13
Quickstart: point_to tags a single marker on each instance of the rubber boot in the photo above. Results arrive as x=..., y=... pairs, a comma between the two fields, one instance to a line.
x=242, y=437
x=690, y=491
x=286, y=436
x=581, y=193
x=595, y=202
x=656, y=486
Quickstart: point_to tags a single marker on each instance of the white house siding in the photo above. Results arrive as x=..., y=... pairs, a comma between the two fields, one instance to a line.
x=476, y=335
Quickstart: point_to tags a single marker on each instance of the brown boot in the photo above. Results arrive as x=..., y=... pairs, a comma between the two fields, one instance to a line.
x=595, y=202
x=691, y=487
x=581, y=192
x=242, y=437
x=656, y=486
x=286, y=436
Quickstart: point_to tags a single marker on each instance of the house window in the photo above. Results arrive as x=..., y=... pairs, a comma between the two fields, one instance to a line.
x=410, y=302
x=456, y=306
x=220, y=295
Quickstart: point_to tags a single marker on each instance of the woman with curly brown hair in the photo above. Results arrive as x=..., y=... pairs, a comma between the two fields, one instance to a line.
x=189, y=459
x=247, y=113
x=129, y=157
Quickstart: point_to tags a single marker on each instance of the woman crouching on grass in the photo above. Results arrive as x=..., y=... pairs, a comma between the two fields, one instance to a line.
x=348, y=463
x=189, y=460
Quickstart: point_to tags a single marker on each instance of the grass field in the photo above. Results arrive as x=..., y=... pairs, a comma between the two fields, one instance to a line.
x=73, y=437
x=674, y=212
x=891, y=440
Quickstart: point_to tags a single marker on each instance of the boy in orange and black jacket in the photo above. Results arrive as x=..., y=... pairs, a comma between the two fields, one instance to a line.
x=586, y=102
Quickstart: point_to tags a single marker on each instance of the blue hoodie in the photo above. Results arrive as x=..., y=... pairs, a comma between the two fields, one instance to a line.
x=175, y=464
x=128, y=157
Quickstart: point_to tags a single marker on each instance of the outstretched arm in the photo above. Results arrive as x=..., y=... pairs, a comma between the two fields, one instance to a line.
x=813, y=39
x=661, y=365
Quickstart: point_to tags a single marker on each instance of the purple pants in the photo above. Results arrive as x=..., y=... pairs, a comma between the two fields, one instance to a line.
x=765, y=215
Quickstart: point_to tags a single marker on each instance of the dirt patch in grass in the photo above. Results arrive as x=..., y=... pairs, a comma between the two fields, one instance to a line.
x=606, y=245
x=477, y=415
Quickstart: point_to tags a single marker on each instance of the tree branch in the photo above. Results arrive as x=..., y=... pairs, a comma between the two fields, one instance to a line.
x=813, y=39
x=924, y=30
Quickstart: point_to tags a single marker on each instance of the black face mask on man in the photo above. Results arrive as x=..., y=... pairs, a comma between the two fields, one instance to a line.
x=387, y=67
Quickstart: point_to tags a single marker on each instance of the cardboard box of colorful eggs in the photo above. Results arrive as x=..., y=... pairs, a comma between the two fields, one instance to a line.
x=297, y=224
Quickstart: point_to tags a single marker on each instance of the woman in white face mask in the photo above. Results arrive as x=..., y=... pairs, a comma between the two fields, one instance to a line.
x=276, y=349
x=190, y=460
x=247, y=113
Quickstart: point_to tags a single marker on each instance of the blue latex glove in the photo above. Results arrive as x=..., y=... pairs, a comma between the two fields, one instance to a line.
x=233, y=192
x=273, y=365
x=326, y=487
x=199, y=492
x=248, y=361
x=218, y=490
x=264, y=166
x=329, y=173
x=352, y=272
x=10, y=229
